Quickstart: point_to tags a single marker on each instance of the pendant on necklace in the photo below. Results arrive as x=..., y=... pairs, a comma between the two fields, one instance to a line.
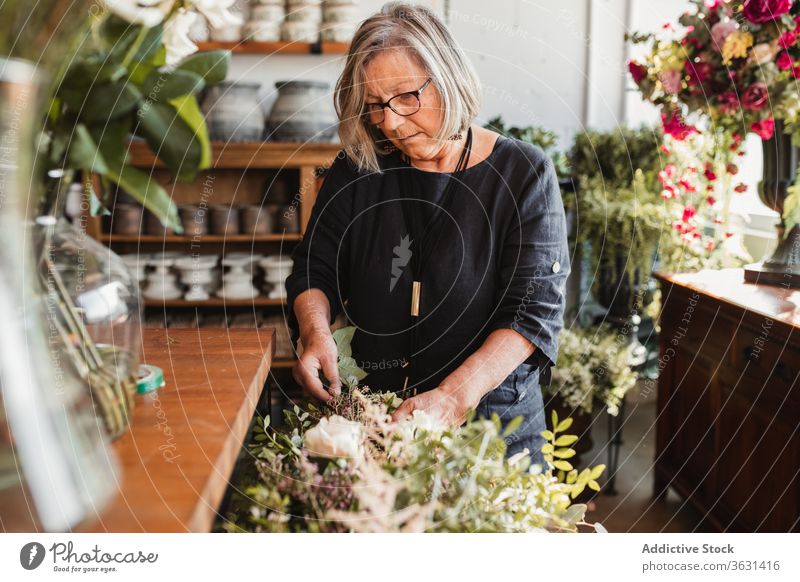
x=416, y=289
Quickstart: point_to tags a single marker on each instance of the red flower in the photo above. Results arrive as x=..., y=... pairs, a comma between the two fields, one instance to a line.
x=755, y=96
x=710, y=200
x=674, y=125
x=698, y=73
x=784, y=61
x=688, y=213
x=796, y=72
x=761, y=11
x=764, y=128
x=728, y=102
x=709, y=172
x=740, y=187
x=687, y=185
x=638, y=71
x=732, y=169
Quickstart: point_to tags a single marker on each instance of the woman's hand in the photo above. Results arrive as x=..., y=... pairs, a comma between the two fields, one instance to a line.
x=447, y=406
x=319, y=353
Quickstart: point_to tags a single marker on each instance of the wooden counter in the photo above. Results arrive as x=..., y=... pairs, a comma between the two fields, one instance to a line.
x=728, y=426
x=177, y=458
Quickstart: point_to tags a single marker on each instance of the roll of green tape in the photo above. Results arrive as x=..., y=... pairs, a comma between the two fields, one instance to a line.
x=150, y=378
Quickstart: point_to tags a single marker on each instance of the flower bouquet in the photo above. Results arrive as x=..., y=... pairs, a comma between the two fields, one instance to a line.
x=347, y=467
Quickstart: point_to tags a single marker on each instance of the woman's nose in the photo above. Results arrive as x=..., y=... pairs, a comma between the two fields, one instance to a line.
x=391, y=120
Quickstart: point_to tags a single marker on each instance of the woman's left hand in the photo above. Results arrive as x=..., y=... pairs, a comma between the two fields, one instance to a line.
x=448, y=407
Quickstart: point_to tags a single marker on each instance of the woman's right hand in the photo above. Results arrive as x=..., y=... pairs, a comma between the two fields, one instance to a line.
x=319, y=354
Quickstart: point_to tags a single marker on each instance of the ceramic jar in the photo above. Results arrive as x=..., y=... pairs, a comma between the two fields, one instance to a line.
x=256, y=219
x=340, y=19
x=302, y=112
x=276, y=269
x=224, y=219
x=233, y=112
x=127, y=219
x=194, y=220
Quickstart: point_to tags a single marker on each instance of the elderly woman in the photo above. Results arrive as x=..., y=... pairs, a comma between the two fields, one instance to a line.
x=444, y=243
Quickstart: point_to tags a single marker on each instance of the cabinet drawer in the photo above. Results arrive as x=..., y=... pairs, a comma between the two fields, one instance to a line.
x=694, y=323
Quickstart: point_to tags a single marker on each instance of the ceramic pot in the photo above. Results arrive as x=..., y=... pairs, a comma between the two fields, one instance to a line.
x=233, y=112
x=224, y=219
x=302, y=112
x=257, y=219
x=127, y=219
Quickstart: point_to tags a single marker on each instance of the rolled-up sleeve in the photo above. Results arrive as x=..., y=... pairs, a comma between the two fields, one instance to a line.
x=316, y=257
x=534, y=266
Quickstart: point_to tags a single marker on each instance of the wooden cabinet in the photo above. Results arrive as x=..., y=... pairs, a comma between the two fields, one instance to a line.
x=727, y=434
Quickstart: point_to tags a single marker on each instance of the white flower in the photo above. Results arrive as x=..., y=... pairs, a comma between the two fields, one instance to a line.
x=763, y=53
x=335, y=437
x=420, y=419
x=146, y=12
x=217, y=12
x=176, y=36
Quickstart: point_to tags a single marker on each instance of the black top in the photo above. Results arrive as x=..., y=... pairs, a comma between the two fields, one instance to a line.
x=501, y=262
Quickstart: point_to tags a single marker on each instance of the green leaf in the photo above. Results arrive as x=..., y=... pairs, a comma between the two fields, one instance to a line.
x=564, y=425
x=547, y=448
x=566, y=440
x=563, y=465
x=151, y=195
x=343, y=338
x=594, y=485
x=512, y=426
x=212, y=66
x=189, y=111
x=564, y=453
x=106, y=102
x=547, y=435
x=83, y=153
x=595, y=472
x=162, y=85
x=554, y=418
x=599, y=528
x=112, y=139
x=575, y=513
x=171, y=139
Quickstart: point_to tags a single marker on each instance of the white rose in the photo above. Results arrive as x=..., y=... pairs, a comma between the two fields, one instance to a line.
x=217, y=12
x=763, y=53
x=146, y=12
x=176, y=36
x=420, y=419
x=334, y=437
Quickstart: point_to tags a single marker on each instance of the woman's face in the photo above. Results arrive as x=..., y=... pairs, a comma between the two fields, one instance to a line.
x=390, y=73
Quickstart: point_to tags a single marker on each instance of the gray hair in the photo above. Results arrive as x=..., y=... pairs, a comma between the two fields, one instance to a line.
x=417, y=30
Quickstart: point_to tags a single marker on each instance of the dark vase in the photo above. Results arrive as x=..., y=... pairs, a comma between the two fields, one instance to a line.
x=625, y=297
x=780, y=169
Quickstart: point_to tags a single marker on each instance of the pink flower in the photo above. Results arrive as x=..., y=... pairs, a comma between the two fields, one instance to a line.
x=688, y=213
x=796, y=72
x=709, y=173
x=674, y=125
x=720, y=31
x=787, y=39
x=761, y=11
x=638, y=71
x=784, y=61
x=755, y=96
x=710, y=200
x=764, y=128
x=671, y=80
x=728, y=102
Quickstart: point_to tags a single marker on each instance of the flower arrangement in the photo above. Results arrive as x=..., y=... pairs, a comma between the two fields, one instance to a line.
x=135, y=73
x=734, y=67
x=355, y=470
x=349, y=467
x=593, y=364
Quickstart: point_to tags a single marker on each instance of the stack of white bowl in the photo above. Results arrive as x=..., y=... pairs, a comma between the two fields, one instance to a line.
x=303, y=19
x=339, y=20
x=265, y=21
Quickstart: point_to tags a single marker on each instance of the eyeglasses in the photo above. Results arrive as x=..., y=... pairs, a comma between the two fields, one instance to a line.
x=404, y=104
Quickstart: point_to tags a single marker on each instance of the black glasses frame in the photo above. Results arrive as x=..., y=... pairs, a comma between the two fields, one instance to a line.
x=388, y=104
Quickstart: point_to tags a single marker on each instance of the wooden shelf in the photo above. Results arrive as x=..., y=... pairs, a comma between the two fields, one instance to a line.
x=282, y=47
x=215, y=302
x=205, y=238
x=249, y=155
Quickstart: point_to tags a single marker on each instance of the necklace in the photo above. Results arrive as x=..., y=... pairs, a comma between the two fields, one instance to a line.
x=423, y=240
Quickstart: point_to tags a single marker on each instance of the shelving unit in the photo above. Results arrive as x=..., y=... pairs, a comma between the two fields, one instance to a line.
x=282, y=48
x=241, y=173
